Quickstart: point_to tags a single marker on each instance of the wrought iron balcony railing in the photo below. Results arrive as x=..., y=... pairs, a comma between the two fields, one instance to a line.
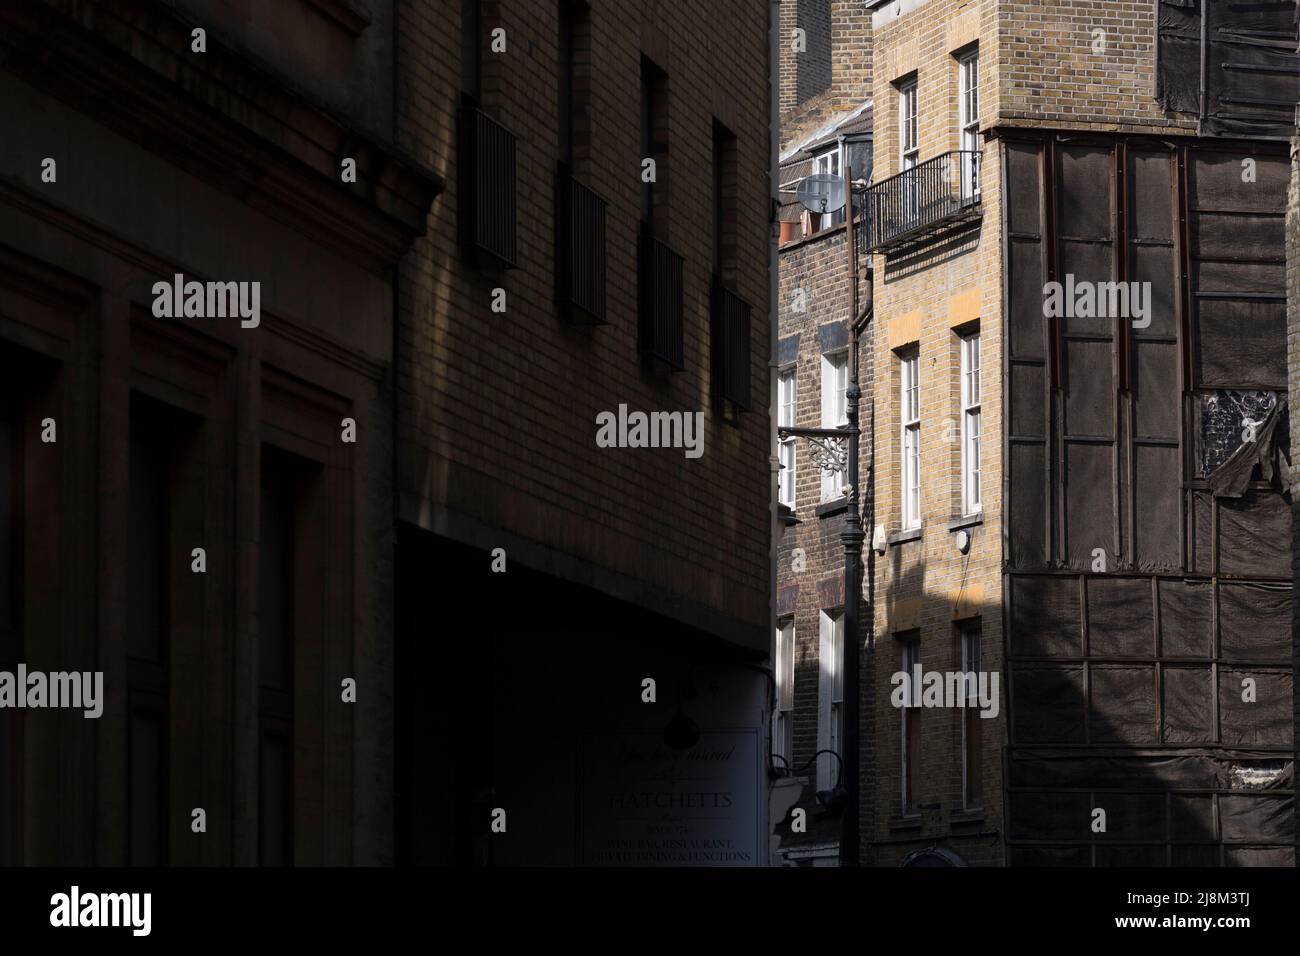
x=731, y=358
x=925, y=201
x=579, y=249
x=659, y=295
x=488, y=187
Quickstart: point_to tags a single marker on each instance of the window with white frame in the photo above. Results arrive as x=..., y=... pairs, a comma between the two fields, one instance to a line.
x=911, y=721
x=968, y=121
x=782, y=716
x=830, y=693
x=835, y=412
x=910, y=439
x=785, y=419
x=908, y=146
x=970, y=424
x=827, y=163
x=971, y=738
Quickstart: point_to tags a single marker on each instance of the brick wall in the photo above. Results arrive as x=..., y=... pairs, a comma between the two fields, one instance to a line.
x=498, y=411
x=922, y=301
x=1102, y=66
x=805, y=73
x=845, y=43
x=814, y=299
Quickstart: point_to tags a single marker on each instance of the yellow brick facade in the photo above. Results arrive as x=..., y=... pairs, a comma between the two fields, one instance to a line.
x=922, y=301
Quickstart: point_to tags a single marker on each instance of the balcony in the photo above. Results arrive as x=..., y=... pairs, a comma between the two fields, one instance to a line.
x=659, y=300
x=579, y=250
x=924, y=202
x=731, y=359
x=487, y=189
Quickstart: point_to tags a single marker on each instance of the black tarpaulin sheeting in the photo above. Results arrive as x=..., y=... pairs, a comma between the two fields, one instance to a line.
x=1191, y=815
x=1251, y=67
x=1144, y=816
x=1255, y=622
x=1045, y=616
x=1122, y=704
x=1259, y=855
x=1186, y=690
x=1148, y=531
x=1266, y=721
x=1185, y=625
x=1236, y=343
x=1190, y=769
x=1131, y=816
x=1049, y=816
x=1256, y=818
x=1248, y=50
x=1050, y=856
x=1120, y=617
x=1255, y=535
x=1178, y=80
x=1203, y=855
x=1146, y=855
x=1052, y=711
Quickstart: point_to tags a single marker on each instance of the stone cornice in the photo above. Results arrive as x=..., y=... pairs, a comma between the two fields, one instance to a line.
x=221, y=117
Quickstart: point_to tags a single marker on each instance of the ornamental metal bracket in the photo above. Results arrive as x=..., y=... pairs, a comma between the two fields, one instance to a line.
x=829, y=454
x=828, y=447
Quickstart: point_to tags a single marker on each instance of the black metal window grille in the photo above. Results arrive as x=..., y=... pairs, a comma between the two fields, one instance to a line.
x=488, y=187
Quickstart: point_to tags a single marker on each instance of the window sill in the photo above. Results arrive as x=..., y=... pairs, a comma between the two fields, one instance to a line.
x=902, y=537
x=910, y=822
x=966, y=521
x=965, y=816
x=833, y=507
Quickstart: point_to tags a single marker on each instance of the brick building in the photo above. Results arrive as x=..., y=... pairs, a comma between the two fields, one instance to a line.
x=825, y=130
x=555, y=286
x=1066, y=494
x=146, y=140
x=396, y=465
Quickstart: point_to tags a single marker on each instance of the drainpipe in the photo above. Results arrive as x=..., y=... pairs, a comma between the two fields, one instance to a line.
x=774, y=292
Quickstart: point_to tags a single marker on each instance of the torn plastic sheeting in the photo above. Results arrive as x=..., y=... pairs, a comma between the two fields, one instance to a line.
x=1238, y=432
x=1190, y=770
x=1261, y=775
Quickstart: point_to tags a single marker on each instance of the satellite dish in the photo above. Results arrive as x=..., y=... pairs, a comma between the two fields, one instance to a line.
x=821, y=193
